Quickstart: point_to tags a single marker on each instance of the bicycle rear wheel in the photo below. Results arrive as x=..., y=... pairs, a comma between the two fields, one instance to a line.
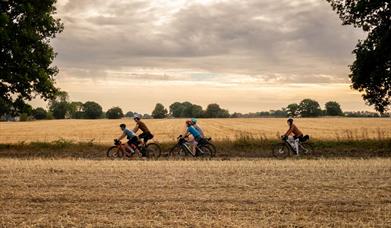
x=153, y=150
x=115, y=152
x=280, y=150
x=205, y=151
x=212, y=148
x=306, y=149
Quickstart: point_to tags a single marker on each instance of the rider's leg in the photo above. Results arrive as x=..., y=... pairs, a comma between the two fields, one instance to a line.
x=193, y=143
x=297, y=146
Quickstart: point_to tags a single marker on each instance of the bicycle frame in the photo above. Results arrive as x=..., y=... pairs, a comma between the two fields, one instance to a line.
x=186, y=145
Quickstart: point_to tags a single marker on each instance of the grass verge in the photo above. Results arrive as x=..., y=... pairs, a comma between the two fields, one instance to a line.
x=243, y=146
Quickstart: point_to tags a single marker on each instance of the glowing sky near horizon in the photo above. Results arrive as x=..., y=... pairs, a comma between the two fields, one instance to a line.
x=246, y=55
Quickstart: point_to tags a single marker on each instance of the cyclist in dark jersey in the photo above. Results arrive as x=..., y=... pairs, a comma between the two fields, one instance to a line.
x=146, y=134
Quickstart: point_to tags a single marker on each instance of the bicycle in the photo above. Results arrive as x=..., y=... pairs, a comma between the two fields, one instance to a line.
x=207, y=142
x=152, y=150
x=183, y=149
x=287, y=148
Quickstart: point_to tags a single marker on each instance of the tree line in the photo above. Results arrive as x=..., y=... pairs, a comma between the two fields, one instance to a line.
x=61, y=108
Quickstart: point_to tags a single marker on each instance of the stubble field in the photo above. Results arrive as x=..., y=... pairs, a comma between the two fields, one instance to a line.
x=103, y=131
x=243, y=193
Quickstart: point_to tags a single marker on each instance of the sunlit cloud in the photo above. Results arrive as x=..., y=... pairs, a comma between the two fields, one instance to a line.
x=221, y=48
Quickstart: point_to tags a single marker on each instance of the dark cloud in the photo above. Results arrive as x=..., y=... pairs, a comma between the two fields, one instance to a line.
x=289, y=41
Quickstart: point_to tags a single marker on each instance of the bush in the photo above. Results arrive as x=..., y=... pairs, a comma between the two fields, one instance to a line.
x=114, y=113
x=39, y=114
x=23, y=117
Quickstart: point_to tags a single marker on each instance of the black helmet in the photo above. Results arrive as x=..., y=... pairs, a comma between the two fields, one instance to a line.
x=122, y=125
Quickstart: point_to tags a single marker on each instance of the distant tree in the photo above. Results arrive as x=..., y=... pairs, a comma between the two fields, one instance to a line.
x=26, y=55
x=23, y=117
x=309, y=108
x=159, y=112
x=59, y=105
x=92, y=110
x=371, y=71
x=114, y=113
x=214, y=111
x=39, y=113
x=333, y=109
x=176, y=109
x=279, y=113
x=187, y=110
x=146, y=116
x=196, y=111
x=75, y=110
x=129, y=114
x=236, y=115
x=293, y=109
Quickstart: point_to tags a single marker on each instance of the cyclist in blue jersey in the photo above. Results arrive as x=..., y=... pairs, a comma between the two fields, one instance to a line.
x=130, y=135
x=194, y=135
x=197, y=127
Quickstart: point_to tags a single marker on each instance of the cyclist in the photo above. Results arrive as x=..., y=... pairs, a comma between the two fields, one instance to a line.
x=194, y=135
x=130, y=135
x=197, y=127
x=146, y=134
x=297, y=134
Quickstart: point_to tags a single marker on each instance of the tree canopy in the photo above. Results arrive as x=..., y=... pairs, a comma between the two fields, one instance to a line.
x=333, y=109
x=114, y=113
x=371, y=70
x=159, y=112
x=92, y=110
x=26, y=70
x=309, y=108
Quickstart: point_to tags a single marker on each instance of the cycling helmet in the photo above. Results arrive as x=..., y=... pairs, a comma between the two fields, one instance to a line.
x=122, y=125
x=137, y=116
x=194, y=120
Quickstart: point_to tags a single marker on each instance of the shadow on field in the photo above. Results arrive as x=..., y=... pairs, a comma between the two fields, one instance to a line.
x=245, y=147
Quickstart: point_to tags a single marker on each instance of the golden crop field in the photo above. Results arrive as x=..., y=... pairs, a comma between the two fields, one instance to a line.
x=104, y=131
x=251, y=193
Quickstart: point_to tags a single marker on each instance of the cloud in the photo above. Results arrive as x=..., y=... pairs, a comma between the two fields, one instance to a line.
x=219, y=44
x=243, y=37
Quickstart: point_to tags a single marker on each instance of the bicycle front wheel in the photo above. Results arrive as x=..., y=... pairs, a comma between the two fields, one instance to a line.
x=115, y=152
x=175, y=152
x=153, y=150
x=280, y=150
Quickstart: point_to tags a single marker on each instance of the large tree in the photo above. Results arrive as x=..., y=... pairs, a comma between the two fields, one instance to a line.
x=159, y=112
x=92, y=110
x=59, y=105
x=371, y=71
x=333, y=109
x=26, y=70
x=114, y=113
x=293, y=109
x=309, y=108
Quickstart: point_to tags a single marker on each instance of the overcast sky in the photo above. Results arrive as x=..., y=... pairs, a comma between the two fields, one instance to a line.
x=246, y=55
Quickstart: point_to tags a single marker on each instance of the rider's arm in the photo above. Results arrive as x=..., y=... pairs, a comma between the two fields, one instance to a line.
x=289, y=131
x=122, y=136
x=186, y=132
x=135, y=128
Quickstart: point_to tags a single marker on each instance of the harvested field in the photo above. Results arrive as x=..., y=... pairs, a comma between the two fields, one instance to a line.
x=103, y=131
x=243, y=193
